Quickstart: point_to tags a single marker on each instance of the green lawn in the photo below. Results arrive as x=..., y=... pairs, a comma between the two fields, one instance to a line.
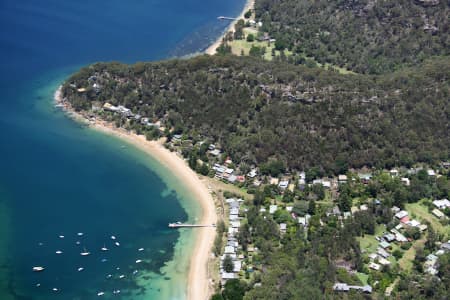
x=421, y=212
x=362, y=277
x=242, y=46
x=368, y=243
x=406, y=262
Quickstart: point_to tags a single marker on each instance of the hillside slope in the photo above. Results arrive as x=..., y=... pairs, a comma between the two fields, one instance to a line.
x=259, y=111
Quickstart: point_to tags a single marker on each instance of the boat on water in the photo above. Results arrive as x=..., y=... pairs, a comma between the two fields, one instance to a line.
x=55, y=289
x=58, y=252
x=109, y=276
x=80, y=269
x=122, y=276
x=61, y=236
x=85, y=252
x=104, y=260
x=138, y=261
x=78, y=242
x=104, y=248
x=135, y=272
x=115, y=292
x=113, y=237
x=141, y=249
x=80, y=234
x=38, y=269
x=117, y=244
x=100, y=293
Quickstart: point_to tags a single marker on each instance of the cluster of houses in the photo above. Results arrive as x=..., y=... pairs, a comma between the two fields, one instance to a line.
x=379, y=258
x=431, y=264
x=126, y=112
x=232, y=245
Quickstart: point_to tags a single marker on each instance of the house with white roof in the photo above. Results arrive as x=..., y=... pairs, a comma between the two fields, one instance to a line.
x=283, y=184
x=273, y=209
x=442, y=204
x=401, y=214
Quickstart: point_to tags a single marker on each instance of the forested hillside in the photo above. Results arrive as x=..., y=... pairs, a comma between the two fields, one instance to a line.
x=259, y=111
x=365, y=36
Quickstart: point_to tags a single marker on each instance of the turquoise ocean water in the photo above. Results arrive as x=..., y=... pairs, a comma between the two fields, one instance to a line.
x=58, y=178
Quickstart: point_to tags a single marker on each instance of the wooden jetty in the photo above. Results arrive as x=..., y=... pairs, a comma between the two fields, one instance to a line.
x=181, y=225
x=226, y=18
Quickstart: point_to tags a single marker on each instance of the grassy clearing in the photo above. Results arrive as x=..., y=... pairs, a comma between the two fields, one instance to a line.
x=406, y=262
x=242, y=47
x=421, y=212
x=368, y=243
x=362, y=277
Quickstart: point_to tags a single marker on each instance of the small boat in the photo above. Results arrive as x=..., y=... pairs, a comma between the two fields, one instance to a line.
x=55, y=289
x=115, y=292
x=104, y=248
x=80, y=269
x=117, y=268
x=38, y=284
x=58, y=252
x=100, y=293
x=104, y=260
x=141, y=249
x=122, y=276
x=138, y=261
x=85, y=252
x=38, y=269
x=117, y=244
x=108, y=276
x=113, y=237
x=80, y=234
x=61, y=236
x=135, y=272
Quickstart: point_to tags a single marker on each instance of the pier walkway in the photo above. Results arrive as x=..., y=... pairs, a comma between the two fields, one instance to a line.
x=226, y=18
x=181, y=225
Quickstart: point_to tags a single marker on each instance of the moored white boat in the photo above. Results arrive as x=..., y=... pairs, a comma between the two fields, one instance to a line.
x=38, y=269
x=85, y=252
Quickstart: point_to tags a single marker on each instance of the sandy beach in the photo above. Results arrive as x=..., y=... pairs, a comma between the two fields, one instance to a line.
x=199, y=286
x=211, y=50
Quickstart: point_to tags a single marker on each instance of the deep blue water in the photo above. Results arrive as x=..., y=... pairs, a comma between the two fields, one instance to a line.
x=59, y=178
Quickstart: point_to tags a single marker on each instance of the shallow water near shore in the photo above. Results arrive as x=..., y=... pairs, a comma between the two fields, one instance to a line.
x=60, y=178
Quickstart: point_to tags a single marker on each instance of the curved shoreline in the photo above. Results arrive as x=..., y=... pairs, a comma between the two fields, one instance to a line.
x=211, y=50
x=198, y=280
